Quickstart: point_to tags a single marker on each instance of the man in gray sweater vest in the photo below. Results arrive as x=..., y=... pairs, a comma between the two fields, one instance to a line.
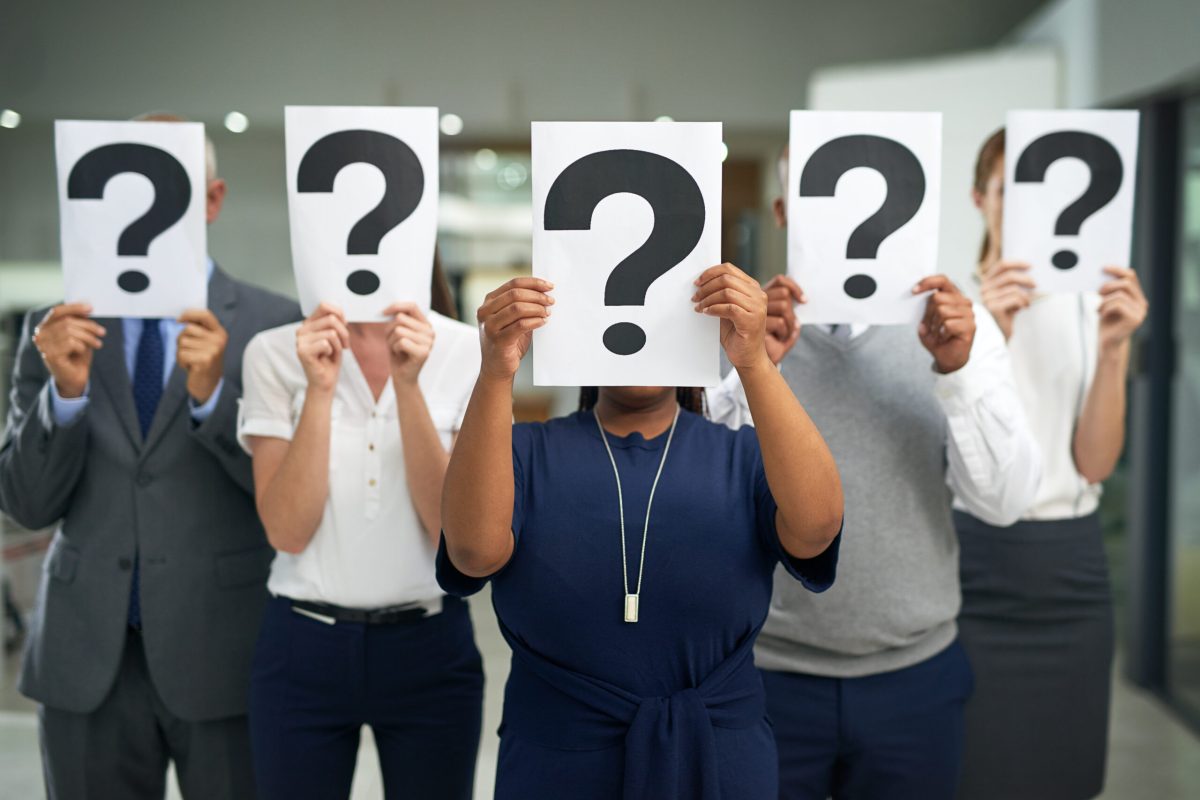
x=866, y=682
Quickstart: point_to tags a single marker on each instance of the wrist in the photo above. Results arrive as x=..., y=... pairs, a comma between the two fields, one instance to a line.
x=201, y=389
x=496, y=381
x=68, y=390
x=318, y=395
x=406, y=389
x=1113, y=352
x=760, y=365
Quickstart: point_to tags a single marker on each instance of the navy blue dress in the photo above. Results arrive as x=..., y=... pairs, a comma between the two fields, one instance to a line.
x=669, y=706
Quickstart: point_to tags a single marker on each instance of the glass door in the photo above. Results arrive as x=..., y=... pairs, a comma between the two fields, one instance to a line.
x=1183, y=623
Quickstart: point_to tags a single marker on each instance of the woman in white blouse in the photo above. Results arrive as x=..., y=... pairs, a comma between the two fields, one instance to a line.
x=1037, y=618
x=350, y=427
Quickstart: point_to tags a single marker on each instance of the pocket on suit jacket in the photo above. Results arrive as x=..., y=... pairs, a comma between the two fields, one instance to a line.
x=63, y=561
x=244, y=568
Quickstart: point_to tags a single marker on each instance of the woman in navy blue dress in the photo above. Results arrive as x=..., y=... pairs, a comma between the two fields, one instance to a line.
x=638, y=685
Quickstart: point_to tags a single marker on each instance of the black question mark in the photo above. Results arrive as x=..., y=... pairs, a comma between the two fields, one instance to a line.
x=1104, y=163
x=678, y=208
x=404, y=183
x=172, y=195
x=905, y=192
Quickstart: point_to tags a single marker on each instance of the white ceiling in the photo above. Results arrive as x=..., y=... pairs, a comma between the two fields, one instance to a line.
x=497, y=64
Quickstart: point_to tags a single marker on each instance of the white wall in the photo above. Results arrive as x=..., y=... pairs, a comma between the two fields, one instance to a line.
x=1115, y=51
x=973, y=92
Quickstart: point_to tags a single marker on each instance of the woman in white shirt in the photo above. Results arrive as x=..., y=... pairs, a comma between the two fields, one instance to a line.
x=1037, y=618
x=350, y=427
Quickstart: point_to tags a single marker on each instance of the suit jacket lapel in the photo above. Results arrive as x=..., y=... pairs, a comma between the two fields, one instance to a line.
x=108, y=366
x=222, y=297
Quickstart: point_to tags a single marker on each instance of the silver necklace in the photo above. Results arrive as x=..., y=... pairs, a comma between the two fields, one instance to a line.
x=631, y=598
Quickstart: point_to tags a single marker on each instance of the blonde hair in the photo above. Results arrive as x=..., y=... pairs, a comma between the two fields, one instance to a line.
x=985, y=164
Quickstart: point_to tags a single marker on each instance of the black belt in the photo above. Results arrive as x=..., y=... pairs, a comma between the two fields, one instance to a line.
x=393, y=615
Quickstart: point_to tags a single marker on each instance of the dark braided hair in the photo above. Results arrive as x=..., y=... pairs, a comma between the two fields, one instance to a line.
x=689, y=397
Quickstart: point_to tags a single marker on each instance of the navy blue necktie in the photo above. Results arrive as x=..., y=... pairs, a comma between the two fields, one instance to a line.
x=147, y=391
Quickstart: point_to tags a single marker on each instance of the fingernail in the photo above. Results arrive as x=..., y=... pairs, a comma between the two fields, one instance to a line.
x=696, y=307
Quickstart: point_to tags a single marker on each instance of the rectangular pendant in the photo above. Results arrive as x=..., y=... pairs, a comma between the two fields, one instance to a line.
x=631, y=607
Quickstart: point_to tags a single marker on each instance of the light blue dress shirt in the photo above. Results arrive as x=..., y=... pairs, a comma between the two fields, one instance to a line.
x=67, y=409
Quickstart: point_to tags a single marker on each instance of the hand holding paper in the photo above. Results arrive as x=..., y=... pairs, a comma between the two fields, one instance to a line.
x=200, y=352
x=948, y=327
x=507, y=319
x=319, y=344
x=1123, y=307
x=724, y=291
x=410, y=340
x=783, y=327
x=66, y=339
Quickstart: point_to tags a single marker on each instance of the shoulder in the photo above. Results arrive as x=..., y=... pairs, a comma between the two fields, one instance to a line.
x=267, y=307
x=449, y=374
x=274, y=349
x=552, y=432
x=453, y=335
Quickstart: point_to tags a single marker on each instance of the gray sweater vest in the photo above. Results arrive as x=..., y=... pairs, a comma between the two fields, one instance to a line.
x=897, y=595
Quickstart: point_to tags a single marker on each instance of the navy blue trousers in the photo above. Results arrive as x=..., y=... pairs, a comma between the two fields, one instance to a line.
x=418, y=685
x=893, y=736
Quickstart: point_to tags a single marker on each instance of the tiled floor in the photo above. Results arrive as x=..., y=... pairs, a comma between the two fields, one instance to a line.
x=1152, y=755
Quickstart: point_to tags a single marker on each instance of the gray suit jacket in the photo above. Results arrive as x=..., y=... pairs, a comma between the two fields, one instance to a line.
x=182, y=502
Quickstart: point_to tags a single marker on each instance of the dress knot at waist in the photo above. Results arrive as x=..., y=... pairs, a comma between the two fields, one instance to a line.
x=669, y=744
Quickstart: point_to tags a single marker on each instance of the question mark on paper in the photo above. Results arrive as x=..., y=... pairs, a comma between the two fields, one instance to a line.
x=172, y=195
x=1104, y=163
x=905, y=179
x=678, y=207
x=404, y=183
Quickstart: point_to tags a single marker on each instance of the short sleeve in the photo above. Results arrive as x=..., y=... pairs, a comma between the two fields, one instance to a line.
x=265, y=408
x=817, y=573
x=449, y=578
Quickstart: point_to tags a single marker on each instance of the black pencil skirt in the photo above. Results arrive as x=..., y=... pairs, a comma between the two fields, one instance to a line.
x=1037, y=625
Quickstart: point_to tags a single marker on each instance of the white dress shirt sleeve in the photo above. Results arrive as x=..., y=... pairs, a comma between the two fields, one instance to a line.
x=266, y=405
x=994, y=462
x=727, y=404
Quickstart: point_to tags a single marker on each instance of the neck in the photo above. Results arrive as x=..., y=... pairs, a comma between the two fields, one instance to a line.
x=649, y=419
x=990, y=258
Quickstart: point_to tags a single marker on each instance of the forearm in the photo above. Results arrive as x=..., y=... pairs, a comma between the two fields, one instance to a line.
x=293, y=501
x=40, y=462
x=425, y=458
x=477, y=500
x=1100, y=431
x=800, y=470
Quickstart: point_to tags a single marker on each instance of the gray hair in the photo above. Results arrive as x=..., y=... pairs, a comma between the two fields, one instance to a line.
x=210, y=151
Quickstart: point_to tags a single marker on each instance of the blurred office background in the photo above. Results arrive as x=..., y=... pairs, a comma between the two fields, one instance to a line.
x=493, y=67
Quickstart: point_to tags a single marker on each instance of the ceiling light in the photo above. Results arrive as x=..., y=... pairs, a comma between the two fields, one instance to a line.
x=9, y=118
x=236, y=122
x=451, y=124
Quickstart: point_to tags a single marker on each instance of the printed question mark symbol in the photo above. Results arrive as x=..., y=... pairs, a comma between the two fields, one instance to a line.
x=1104, y=163
x=678, y=208
x=172, y=195
x=905, y=192
x=404, y=183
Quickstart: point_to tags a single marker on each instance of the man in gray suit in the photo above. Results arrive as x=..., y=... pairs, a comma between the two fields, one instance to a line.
x=122, y=431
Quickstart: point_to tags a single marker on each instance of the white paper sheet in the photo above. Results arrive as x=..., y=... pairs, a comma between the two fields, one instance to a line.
x=601, y=192
x=853, y=272
x=1043, y=225
x=364, y=218
x=131, y=199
